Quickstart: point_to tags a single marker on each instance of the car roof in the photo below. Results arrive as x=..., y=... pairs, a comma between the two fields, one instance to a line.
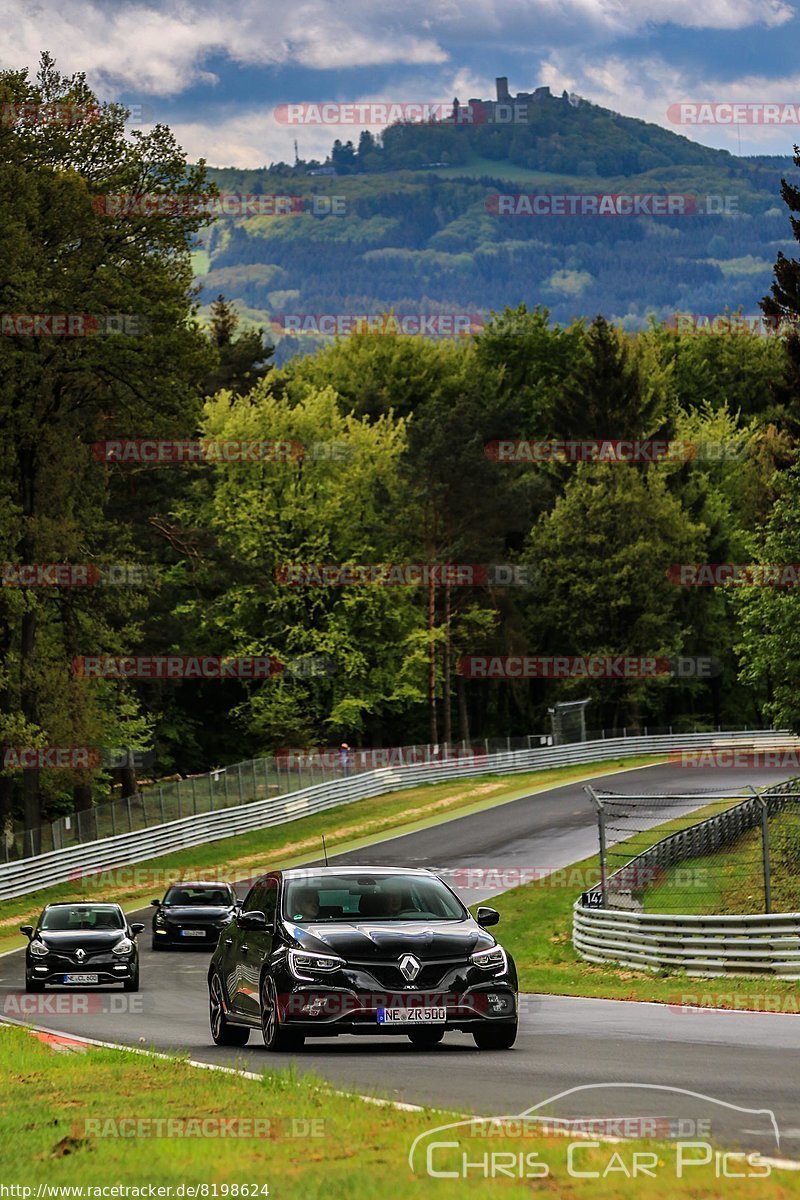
x=82, y=904
x=349, y=869
x=193, y=883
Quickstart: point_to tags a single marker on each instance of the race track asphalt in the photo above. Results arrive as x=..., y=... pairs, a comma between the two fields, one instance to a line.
x=740, y=1060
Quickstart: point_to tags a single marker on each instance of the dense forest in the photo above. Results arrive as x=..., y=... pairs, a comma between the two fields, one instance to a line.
x=377, y=449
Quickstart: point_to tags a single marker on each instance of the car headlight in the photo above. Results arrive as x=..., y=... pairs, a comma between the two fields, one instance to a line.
x=493, y=959
x=305, y=966
x=125, y=946
x=160, y=919
x=39, y=950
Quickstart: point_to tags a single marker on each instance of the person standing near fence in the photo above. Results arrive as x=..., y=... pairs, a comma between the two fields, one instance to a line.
x=344, y=757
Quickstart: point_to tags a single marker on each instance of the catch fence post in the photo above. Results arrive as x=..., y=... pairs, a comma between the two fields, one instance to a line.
x=601, y=830
x=765, y=848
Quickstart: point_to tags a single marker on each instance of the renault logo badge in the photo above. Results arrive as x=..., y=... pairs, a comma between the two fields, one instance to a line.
x=409, y=967
x=80, y=955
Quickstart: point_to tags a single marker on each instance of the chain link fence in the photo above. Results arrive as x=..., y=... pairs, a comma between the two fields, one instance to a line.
x=239, y=783
x=276, y=775
x=702, y=853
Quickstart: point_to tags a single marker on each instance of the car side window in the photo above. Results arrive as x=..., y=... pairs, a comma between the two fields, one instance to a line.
x=249, y=903
x=270, y=899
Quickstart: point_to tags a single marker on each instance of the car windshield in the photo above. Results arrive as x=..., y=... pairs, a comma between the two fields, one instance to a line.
x=356, y=898
x=189, y=895
x=82, y=917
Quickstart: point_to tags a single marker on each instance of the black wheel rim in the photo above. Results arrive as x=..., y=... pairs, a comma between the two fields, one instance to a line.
x=269, y=1014
x=215, y=1002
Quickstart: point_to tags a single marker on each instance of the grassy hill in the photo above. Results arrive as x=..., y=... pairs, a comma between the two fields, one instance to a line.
x=417, y=239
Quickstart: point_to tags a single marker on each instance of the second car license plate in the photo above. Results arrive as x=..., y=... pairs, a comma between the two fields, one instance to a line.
x=412, y=1016
x=80, y=979
x=193, y=932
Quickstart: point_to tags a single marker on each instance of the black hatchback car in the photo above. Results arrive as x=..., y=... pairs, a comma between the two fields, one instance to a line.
x=322, y=951
x=193, y=914
x=81, y=945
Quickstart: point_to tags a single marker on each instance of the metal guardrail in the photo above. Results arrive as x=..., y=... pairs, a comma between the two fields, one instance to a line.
x=714, y=945
x=708, y=945
x=75, y=862
x=257, y=779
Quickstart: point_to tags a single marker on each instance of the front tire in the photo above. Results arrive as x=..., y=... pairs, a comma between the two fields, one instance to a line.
x=33, y=985
x=425, y=1037
x=131, y=985
x=223, y=1033
x=500, y=1036
x=275, y=1036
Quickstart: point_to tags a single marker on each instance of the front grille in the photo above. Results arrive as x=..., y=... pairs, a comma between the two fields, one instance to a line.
x=388, y=973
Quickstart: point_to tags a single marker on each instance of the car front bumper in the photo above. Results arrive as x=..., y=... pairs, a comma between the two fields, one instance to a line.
x=56, y=973
x=326, y=1011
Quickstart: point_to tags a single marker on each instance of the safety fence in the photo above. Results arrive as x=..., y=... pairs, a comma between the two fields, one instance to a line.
x=260, y=811
x=750, y=849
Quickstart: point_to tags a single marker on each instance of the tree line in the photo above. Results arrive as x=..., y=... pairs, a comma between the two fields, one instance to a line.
x=390, y=458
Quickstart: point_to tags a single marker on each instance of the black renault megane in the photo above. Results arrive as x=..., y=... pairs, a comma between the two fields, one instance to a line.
x=327, y=950
x=81, y=945
x=192, y=914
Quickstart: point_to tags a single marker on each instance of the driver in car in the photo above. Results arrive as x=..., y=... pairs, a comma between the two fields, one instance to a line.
x=396, y=902
x=306, y=905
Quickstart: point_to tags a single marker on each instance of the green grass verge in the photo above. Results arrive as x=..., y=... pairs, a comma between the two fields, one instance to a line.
x=537, y=929
x=59, y=1113
x=346, y=827
x=732, y=879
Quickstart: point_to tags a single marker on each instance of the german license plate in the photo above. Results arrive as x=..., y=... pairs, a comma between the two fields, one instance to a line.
x=81, y=979
x=193, y=932
x=412, y=1016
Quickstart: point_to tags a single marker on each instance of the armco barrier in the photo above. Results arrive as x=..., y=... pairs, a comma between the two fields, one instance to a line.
x=59, y=866
x=704, y=946
x=708, y=945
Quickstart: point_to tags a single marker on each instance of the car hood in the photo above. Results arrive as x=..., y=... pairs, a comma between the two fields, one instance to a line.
x=89, y=940
x=196, y=912
x=389, y=939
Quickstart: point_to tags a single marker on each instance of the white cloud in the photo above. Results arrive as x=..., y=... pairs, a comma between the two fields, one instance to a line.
x=161, y=48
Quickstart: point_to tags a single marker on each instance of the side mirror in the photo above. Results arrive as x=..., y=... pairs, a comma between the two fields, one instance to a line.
x=255, y=919
x=137, y=927
x=156, y=903
x=237, y=904
x=27, y=930
x=487, y=916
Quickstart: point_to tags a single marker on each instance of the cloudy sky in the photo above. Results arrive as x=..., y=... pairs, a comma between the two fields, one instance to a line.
x=215, y=72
